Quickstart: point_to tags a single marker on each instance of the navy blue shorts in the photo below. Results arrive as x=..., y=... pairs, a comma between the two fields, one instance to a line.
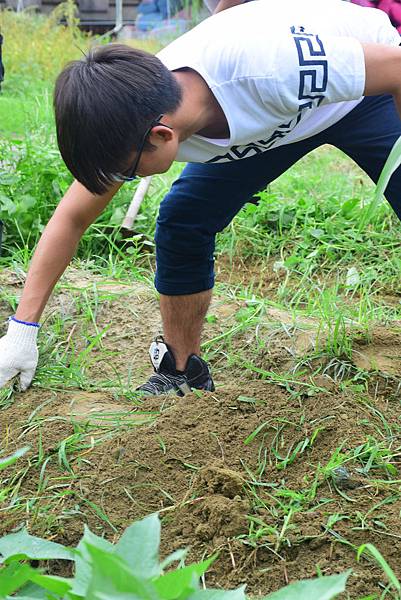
x=206, y=198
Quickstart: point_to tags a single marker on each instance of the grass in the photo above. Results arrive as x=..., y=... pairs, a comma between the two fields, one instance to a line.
x=301, y=291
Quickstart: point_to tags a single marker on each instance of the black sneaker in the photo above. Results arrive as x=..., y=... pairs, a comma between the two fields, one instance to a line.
x=167, y=380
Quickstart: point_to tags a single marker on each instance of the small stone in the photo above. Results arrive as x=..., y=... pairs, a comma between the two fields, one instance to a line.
x=342, y=478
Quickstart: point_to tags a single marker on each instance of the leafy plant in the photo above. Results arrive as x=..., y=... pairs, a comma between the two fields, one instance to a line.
x=127, y=570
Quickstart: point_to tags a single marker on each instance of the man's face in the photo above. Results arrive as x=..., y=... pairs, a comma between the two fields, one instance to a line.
x=159, y=158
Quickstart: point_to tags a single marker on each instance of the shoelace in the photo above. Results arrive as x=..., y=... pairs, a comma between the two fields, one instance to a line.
x=158, y=381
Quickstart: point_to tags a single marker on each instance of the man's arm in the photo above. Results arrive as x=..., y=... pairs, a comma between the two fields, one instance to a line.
x=57, y=245
x=383, y=71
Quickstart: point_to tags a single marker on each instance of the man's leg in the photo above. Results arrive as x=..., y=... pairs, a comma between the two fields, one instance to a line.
x=201, y=203
x=183, y=318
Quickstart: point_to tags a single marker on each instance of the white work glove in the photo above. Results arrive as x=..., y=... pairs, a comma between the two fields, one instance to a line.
x=19, y=353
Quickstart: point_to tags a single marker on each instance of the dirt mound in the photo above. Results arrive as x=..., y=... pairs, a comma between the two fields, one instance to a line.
x=215, y=479
x=223, y=472
x=250, y=471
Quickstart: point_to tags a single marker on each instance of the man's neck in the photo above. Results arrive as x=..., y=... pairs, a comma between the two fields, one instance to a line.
x=199, y=111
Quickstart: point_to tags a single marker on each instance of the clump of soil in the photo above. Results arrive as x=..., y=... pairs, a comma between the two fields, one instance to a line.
x=380, y=351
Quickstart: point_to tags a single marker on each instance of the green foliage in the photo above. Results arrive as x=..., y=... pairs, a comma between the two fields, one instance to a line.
x=32, y=181
x=21, y=545
x=127, y=570
x=38, y=46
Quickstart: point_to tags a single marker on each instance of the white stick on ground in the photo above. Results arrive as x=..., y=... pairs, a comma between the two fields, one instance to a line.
x=136, y=202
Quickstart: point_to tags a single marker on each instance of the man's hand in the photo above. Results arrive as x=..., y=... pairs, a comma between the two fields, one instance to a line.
x=18, y=354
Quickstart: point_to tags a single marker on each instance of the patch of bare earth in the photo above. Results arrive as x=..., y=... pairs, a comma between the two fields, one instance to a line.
x=197, y=459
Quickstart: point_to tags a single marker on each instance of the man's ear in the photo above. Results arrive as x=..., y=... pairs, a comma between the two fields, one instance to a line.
x=160, y=134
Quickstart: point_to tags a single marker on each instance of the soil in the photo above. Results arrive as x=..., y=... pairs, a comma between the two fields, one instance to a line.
x=218, y=486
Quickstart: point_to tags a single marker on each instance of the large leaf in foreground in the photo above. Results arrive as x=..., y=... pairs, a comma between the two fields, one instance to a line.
x=324, y=588
x=238, y=594
x=139, y=546
x=112, y=576
x=12, y=577
x=83, y=566
x=22, y=545
x=182, y=582
x=52, y=583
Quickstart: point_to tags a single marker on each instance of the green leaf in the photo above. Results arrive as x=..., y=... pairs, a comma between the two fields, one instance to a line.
x=181, y=582
x=31, y=591
x=316, y=233
x=7, y=205
x=10, y=460
x=111, y=576
x=83, y=566
x=99, y=595
x=349, y=206
x=8, y=178
x=324, y=588
x=177, y=556
x=254, y=433
x=25, y=203
x=238, y=594
x=22, y=545
x=13, y=577
x=34, y=592
x=139, y=546
x=58, y=585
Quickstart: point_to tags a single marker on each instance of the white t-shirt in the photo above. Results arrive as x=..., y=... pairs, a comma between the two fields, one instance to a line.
x=281, y=71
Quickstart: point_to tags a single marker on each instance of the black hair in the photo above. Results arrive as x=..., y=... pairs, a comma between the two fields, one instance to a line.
x=103, y=105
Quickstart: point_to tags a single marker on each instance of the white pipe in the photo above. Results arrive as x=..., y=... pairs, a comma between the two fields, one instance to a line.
x=136, y=202
x=119, y=15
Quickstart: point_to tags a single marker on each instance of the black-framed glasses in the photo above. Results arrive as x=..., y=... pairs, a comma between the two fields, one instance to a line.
x=131, y=174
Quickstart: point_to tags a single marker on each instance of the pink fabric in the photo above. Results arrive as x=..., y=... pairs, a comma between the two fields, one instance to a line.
x=368, y=3
x=391, y=7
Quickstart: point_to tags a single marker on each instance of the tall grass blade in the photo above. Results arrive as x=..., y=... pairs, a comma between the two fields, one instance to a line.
x=381, y=561
x=392, y=163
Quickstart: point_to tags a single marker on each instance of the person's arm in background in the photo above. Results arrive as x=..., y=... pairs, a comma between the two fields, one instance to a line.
x=56, y=247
